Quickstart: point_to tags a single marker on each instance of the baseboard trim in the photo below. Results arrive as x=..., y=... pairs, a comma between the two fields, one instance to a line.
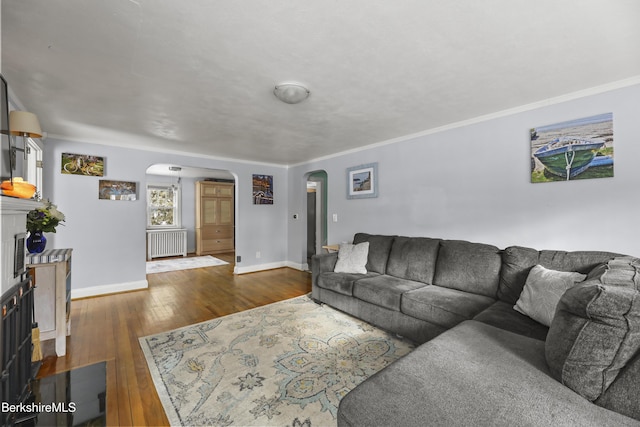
x=269, y=266
x=298, y=266
x=95, y=291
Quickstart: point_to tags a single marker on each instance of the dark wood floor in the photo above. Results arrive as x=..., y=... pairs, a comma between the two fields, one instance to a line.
x=107, y=328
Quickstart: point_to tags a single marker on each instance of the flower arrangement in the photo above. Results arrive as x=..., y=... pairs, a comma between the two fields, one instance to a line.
x=45, y=218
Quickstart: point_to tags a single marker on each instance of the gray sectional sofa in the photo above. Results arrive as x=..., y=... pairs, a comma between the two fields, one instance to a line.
x=480, y=362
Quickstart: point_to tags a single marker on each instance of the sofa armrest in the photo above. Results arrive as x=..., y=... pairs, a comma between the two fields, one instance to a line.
x=321, y=263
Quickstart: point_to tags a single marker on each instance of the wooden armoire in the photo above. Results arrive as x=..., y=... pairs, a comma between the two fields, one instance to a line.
x=214, y=217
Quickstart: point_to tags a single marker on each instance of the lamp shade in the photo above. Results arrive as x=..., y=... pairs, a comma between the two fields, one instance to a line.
x=291, y=93
x=25, y=124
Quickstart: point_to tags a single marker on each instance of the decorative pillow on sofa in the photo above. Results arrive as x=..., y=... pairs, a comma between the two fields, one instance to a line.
x=543, y=290
x=352, y=258
x=596, y=329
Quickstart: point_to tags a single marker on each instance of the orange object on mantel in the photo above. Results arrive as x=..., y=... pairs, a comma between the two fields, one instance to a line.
x=19, y=188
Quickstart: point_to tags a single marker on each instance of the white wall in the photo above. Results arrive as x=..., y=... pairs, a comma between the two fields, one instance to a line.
x=473, y=183
x=108, y=237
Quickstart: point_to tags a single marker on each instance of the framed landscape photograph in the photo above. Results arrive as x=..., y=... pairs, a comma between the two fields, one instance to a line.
x=82, y=164
x=362, y=181
x=262, y=189
x=574, y=149
x=117, y=190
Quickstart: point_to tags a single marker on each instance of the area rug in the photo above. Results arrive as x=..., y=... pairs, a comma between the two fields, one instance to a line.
x=285, y=364
x=183, y=264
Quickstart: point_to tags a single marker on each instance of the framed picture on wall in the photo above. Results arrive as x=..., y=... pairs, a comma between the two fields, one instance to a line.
x=82, y=164
x=575, y=149
x=362, y=181
x=117, y=190
x=262, y=189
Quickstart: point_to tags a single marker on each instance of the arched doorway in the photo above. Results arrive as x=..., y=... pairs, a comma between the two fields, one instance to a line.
x=184, y=178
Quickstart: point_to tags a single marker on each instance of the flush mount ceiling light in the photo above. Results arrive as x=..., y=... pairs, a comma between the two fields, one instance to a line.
x=291, y=93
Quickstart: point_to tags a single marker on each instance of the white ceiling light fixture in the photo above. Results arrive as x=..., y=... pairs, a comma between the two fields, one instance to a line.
x=291, y=93
x=177, y=170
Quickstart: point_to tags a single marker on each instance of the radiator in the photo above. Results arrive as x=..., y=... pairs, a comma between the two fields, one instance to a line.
x=166, y=243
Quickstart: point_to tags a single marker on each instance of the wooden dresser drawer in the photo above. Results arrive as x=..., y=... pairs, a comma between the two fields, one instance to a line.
x=217, y=245
x=217, y=232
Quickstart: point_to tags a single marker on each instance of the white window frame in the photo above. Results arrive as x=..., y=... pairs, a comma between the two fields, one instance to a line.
x=177, y=208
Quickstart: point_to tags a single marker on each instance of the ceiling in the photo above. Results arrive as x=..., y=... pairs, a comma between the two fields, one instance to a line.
x=198, y=76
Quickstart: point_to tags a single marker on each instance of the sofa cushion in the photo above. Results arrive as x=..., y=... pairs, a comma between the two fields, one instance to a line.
x=470, y=267
x=413, y=258
x=385, y=291
x=379, y=248
x=502, y=315
x=443, y=306
x=596, y=330
x=543, y=290
x=471, y=375
x=517, y=261
x=341, y=283
x=352, y=258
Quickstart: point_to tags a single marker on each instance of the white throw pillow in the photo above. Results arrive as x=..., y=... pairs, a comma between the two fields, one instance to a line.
x=352, y=258
x=542, y=292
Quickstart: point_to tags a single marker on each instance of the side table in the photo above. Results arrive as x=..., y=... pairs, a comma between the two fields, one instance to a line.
x=51, y=275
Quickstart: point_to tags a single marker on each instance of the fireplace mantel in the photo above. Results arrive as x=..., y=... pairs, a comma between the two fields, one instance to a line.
x=13, y=205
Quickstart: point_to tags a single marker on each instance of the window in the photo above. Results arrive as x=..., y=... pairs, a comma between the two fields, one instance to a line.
x=163, y=206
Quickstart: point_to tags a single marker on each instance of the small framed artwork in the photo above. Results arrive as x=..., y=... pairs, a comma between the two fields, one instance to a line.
x=262, y=189
x=362, y=181
x=117, y=190
x=82, y=164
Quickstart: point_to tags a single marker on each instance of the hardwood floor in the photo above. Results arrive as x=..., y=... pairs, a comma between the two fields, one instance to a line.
x=107, y=328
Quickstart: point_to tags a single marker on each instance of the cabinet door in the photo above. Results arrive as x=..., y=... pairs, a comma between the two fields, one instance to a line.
x=214, y=189
x=216, y=211
x=225, y=216
x=224, y=190
x=210, y=211
x=208, y=189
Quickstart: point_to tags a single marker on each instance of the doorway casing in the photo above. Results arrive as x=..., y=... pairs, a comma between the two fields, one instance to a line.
x=316, y=213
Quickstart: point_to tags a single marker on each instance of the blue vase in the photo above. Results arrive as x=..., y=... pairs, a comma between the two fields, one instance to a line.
x=36, y=242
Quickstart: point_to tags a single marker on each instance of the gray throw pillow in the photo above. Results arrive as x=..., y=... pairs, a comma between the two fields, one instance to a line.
x=596, y=329
x=543, y=290
x=352, y=258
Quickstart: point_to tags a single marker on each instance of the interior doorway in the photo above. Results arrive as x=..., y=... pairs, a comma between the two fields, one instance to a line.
x=183, y=179
x=316, y=192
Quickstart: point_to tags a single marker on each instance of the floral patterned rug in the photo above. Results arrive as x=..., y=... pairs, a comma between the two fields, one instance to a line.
x=285, y=364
